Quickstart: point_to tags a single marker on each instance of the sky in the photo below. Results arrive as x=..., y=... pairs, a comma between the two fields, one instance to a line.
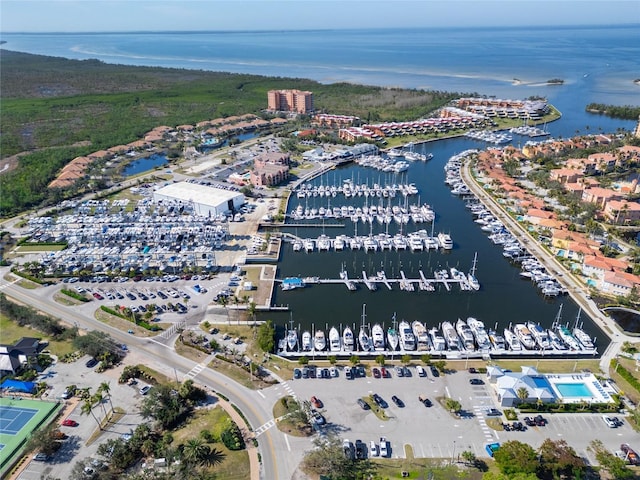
x=186, y=15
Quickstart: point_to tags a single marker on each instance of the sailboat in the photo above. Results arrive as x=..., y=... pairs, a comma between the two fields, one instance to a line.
x=471, y=276
x=582, y=336
x=363, y=337
x=392, y=336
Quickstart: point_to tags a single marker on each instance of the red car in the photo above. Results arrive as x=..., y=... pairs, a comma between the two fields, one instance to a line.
x=316, y=402
x=376, y=372
x=384, y=373
x=69, y=423
x=97, y=296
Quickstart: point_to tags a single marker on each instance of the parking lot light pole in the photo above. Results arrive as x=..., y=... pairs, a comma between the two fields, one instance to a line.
x=453, y=454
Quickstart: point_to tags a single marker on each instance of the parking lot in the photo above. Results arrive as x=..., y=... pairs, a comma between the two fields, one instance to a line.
x=75, y=447
x=432, y=431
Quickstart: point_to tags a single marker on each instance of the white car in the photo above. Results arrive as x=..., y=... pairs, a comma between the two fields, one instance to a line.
x=384, y=447
x=421, y=371
x=373, y=449
x=609, y=421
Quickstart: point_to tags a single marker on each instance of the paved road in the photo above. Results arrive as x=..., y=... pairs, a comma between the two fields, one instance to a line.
x=273, y=446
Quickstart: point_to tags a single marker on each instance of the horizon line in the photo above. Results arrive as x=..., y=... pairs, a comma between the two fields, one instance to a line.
x=328, y=29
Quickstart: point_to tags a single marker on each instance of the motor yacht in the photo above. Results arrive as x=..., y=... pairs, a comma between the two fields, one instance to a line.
x=525, y=336
x=319, y=341
x=348, y=341
x=377, y=334
x=407, y=338
x=421, y=335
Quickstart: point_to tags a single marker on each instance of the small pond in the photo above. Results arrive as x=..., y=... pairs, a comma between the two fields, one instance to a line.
x=144, y=164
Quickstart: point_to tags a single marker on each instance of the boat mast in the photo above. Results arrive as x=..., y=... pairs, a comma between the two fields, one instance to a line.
x=556, y=322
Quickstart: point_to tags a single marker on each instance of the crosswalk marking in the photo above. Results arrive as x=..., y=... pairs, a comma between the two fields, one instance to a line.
x=198, y=368
x=263, y=428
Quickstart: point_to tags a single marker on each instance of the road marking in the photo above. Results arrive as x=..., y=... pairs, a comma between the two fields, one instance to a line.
x=260, y=393
x=286, y=440
x=263, y=428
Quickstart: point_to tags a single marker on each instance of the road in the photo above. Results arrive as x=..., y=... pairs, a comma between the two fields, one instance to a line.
x=274, y=447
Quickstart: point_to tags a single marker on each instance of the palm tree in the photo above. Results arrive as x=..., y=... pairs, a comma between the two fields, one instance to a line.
x=216, y=457
x=251, y=311
x=469, y=457
x=523, y=394
x=196, y=452
x=106, y=389
x=87, y=407
x=224, y=301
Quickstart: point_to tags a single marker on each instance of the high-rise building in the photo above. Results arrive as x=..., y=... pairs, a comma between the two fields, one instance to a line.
x=290, y=101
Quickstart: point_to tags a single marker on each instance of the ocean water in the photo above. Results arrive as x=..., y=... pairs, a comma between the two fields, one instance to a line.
x=597, y=64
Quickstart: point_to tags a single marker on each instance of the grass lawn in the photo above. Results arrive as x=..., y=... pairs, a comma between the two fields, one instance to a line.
x=625, y=386
x=423, y=469
x=126, y=325
x=10, y=331
x=235, y=464
x=281, y=408
x=39, y=248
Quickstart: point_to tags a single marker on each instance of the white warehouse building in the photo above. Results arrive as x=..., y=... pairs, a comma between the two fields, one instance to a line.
x=206, y=200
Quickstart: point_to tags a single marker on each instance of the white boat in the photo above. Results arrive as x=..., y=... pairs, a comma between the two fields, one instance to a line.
x=364, y=340
x=540, y=335
x=445, y=241
x=394, y=152
x=466, y=335
x=377, y=334
x=306, y=341
x=451, y=337
x=421, y=335
x=437, y=340
x=556, y=341
x=392, y=339
x=407, y=338
x=348, y=342
x=525, y=336
x=497, y=340
x=512, y=341
x=583, y=338
x=334, y=340
x=479, y=332
x=319, y=341
x=568, y=338
x=292, y=340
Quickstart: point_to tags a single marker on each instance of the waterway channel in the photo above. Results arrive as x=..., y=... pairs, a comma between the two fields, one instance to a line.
x=504, y=298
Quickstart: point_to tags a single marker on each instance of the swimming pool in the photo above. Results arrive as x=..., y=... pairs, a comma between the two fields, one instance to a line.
x=573, y=390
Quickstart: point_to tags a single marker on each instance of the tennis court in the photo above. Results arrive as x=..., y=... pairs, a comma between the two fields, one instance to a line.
x=18, y=418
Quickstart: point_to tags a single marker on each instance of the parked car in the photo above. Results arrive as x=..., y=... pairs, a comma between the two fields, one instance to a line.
x=92, y=362
x=434, y=371
x=379, y=401
x=540, y=421
x=493, y=412
x=425, y=401
x=364, y=405
x=41, y=457
x=333, y=371
x=406, y=372
x=376, y=372
x=58, y=435
x=361, y=449
x=476, y=381
x=384, y=447
x=384, y=372
x=347, y=448
x=630, y=454
x=144, y=390
x=609, y=422
x=421, y=371
x=373, y=449
x=397, y=401
x=69, y=423
x=297, y=373
x=319, y=419
x=399, y=371
x=315, y=401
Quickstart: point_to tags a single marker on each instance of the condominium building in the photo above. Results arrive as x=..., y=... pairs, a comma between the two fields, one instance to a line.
x=290, y=101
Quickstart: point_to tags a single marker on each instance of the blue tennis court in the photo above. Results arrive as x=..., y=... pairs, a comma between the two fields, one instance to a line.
x=13, y=419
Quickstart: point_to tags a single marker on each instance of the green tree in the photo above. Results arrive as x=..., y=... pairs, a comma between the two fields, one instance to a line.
x=165, y=407
x=469, y=457
x=559, y=459
x=425, y=358
x=515, y=457
x=303, y=360
x=43, y=440
x=523, y=394
x=332, y=359
x=354, y=360
x=251, y=311
x=106, y=389
x=405, y=359
x=87, y=408
x=452, y=405
x=616, y=467
x=328, y=459
x=195, y=452
x=266, y=336
x=380, y=359
x=441, y=365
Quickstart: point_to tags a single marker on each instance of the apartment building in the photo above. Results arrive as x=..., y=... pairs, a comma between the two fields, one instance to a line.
x=297, y=101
